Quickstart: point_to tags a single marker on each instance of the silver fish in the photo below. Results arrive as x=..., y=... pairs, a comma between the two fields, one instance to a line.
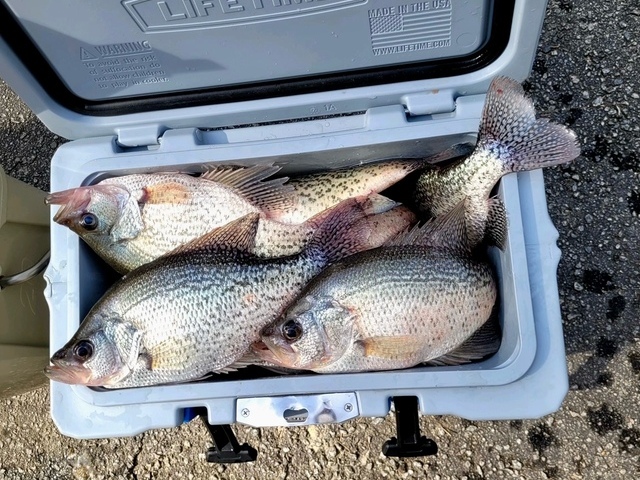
x=385, y=218
x=134, y=219
x=198, y=309
x=317, y=192
x=389, y=308
x=510, y=140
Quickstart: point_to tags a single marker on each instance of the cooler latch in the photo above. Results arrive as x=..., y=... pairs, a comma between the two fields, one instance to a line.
x=429, y=102
x=409, y=442
x=139, y=136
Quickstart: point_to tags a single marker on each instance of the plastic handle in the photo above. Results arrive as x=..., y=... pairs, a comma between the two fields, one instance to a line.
x=28, y=274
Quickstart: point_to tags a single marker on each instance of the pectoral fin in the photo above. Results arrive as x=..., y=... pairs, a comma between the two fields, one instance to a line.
x=391, y=347
x=171, y=354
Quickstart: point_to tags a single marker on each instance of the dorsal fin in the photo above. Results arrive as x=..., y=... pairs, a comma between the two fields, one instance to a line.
x=446, y=232
x=340, y=232
x=239, y=235
x=272, y=196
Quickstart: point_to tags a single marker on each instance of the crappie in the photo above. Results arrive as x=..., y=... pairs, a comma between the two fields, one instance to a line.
x=388, y=308
x=198, y=309
x=134, y=219
x=385, y=219
x=318, y=191
x=510, y=140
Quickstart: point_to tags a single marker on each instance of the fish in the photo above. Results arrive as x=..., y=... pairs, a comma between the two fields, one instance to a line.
x=385, y=218
x=420, y=299
x=133, y=219
x=319, y=191
x=197, y=309
x=510, y=139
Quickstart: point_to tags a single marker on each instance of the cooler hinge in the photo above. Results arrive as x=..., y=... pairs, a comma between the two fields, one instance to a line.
x=429, y=103
x=139, y=136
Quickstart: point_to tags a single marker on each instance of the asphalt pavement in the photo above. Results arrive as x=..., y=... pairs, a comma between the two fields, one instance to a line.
x=585, y=76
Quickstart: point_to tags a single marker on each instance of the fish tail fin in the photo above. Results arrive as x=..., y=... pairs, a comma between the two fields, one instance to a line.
x=509, y=128
x=339, y=231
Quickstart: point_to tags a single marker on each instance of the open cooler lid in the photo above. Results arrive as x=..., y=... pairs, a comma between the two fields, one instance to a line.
x=142, y=66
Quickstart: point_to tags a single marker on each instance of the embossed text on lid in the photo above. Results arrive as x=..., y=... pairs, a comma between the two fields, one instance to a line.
x=164, y=15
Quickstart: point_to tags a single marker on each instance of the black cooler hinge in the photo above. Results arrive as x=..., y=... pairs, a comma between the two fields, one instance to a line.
x=409, y=442
x=226, y=448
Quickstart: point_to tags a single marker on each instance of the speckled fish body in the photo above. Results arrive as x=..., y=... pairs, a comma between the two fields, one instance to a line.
x=198, y=309
x=510, y=140
x=317, y=192
x=137, y=218
x=384, y=309
x=275, y=239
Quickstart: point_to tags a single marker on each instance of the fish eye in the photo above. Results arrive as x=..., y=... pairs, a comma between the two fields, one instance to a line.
x=89, y=221
x=83, y=350
x=292, y=330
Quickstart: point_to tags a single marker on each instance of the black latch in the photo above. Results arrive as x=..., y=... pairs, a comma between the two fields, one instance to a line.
x=409, y=442
x=226, y=448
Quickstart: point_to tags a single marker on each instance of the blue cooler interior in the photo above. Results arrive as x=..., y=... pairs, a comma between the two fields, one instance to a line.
x=143, y=86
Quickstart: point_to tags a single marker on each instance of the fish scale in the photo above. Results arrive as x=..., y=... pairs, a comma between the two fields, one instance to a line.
x=510, y=139
x=398, y=292
x=198, y=309
x=165, y=302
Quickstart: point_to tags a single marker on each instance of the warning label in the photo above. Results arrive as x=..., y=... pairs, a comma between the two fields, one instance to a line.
x=120, y=65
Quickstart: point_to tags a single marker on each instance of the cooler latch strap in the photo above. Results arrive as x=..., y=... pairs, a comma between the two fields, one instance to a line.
x=139, y=136
x=429, y=102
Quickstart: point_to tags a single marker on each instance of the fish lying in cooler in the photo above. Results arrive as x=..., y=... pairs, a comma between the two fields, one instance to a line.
x=199, y=308
x=419, y=300
x=432, y=298
x=133, y=219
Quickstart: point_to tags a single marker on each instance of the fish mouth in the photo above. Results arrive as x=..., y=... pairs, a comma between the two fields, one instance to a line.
x=73, y=200
x=279, y=354
x=69, y=374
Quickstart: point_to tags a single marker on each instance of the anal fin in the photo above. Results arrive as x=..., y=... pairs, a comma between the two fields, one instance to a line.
x=482, y=343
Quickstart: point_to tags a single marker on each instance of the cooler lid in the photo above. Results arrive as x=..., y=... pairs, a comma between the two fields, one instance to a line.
x=92, y=68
